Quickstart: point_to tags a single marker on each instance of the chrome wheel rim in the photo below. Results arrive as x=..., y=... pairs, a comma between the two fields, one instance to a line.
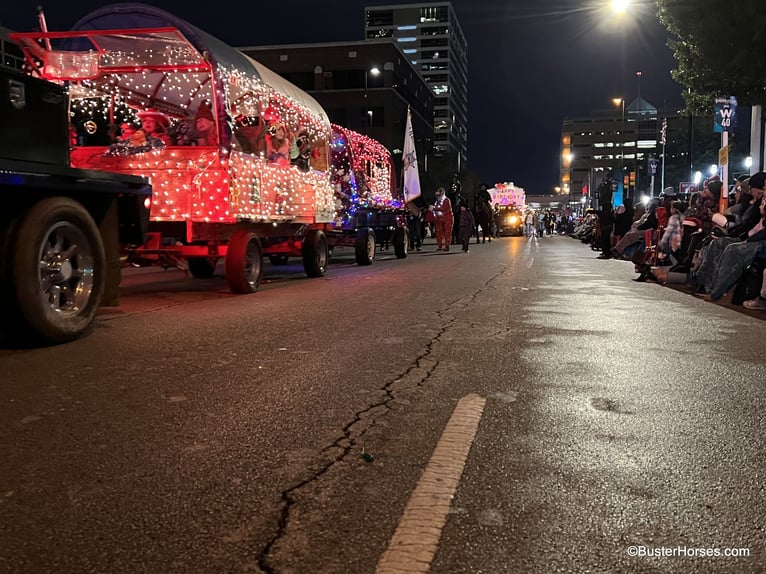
x=66, y=272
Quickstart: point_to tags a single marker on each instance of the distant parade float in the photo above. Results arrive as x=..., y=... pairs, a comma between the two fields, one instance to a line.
x=508, y=194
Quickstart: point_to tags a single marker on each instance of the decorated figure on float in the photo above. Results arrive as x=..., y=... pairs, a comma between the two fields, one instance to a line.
x=152, y=135
x=300, y=153
x=204, y=126
x=154, y=126
x=278, y=144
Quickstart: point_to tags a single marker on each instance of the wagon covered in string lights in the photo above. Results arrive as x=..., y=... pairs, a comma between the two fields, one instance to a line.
x=238, y=157
x=367, y=213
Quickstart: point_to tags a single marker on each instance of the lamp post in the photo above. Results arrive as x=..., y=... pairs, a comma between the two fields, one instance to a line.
x=621, y=102
x=375, y=71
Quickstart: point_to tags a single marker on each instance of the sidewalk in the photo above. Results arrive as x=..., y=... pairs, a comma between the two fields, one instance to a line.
x=724, y=301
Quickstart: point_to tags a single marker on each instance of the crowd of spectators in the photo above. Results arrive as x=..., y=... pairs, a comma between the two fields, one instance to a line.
x=713, y=247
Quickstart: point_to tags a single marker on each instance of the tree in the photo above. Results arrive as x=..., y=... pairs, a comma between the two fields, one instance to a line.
x=685, y=152
x=719, y=47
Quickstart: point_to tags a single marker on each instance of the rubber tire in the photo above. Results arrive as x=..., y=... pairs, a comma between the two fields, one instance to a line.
x=315, y=253
x=278, y=259
x=365, y=246
x=201, y=267
x=244, y=262
x=35, y=320
x=401, y=242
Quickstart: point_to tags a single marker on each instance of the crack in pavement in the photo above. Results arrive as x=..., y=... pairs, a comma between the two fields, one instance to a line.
x=416, y=375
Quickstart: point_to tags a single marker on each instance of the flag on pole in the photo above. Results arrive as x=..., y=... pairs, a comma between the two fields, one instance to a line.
x=410, y=175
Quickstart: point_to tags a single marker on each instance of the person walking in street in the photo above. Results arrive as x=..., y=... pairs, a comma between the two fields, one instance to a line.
x=467, y=225
x=445, y=220
x=415, y=223
x=484, y=215
x=529, y=223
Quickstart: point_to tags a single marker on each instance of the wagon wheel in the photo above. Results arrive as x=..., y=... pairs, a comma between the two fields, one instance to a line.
x=401, y=242
x=58, y=270
x=201, y=267
x=243, y=262
x=365, y=246
x=315, y=253
x=278, y=259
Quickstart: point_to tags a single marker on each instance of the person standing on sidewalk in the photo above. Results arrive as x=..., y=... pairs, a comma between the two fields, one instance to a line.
x=445, y=220
x=605, y=218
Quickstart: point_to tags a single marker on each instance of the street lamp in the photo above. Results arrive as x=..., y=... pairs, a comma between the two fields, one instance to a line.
x=619, y=6
x=621, y=102
x=375, y=71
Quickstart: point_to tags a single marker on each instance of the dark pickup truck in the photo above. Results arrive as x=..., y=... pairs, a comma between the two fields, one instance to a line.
x=61, y=228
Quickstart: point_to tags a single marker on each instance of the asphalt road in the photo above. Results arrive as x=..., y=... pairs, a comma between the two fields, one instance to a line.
x=290, y=431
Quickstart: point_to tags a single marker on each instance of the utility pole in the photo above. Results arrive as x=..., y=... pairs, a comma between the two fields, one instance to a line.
x=663, y=139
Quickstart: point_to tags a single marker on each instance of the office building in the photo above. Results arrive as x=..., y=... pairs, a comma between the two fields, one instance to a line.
x=430, y=36
x=608, y=141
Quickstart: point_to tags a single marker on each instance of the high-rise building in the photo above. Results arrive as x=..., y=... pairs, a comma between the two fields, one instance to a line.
x=429, y=34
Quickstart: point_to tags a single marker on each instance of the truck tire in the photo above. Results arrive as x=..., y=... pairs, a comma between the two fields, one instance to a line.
x=243, y=262
x=401, y=242
x=58, y=271
x=315, y=253
x=201, y=267
x=365, y=246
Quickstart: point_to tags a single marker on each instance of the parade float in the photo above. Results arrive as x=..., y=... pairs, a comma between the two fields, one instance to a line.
x=508, y=203
x=238, y=157
x=367, y=213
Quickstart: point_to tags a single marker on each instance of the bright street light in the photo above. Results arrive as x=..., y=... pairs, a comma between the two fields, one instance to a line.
x=713, y=169
x=375, y=71
x=620, y=6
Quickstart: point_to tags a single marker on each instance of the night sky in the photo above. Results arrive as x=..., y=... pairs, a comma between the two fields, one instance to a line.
x=531, y=63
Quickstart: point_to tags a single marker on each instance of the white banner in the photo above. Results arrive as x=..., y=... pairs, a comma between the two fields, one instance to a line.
x=410, y=175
